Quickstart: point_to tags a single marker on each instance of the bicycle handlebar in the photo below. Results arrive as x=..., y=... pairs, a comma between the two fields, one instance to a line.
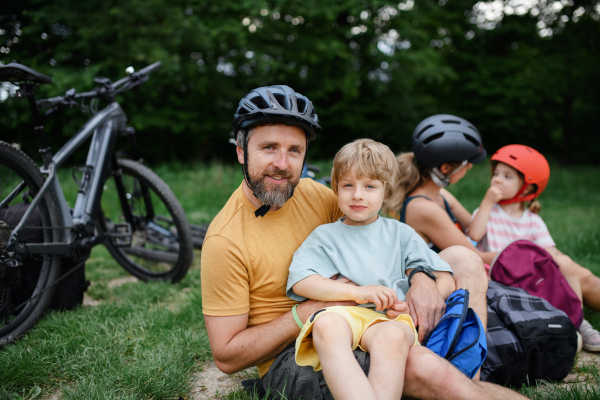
x=137, y=75
x=69, y=99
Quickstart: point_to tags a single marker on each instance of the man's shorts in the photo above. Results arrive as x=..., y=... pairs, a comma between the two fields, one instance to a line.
x=359, y=319
x=286, y=379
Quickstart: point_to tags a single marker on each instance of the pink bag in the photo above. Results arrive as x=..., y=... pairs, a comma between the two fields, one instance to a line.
x=526, y=265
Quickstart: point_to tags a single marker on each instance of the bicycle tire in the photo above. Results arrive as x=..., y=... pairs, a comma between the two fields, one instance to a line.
x=15, y=285
x=154, y=254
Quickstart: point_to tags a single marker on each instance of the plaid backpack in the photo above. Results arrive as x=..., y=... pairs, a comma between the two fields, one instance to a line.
x=527, y=338
x=459, y=336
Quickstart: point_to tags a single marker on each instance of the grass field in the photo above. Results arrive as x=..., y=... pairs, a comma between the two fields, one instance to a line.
x=144, y=341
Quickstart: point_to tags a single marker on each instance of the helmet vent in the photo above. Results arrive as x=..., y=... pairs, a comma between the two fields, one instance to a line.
x=301, y=106
x=423, y=130
x=513, y=157
x=242, y=111
x=450, y=121
x=471, y=139
x=281, y=100
x=433, y=137
x=472, y=127
x=260, y=102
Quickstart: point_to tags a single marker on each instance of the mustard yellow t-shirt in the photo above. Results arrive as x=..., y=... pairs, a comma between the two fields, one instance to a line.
x=245, y=259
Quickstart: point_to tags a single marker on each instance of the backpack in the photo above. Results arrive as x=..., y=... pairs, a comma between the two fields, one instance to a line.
x=527, y=338
x=459, y=336
x=526, y=265
x=69, y=291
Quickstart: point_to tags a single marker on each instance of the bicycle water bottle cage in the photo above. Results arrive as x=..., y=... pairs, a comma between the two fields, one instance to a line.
x=121, y=234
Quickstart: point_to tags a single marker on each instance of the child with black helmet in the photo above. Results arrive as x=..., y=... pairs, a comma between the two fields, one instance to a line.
x=519, y=175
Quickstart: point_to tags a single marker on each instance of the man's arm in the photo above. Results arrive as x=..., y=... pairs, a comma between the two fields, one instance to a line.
x=235, y=346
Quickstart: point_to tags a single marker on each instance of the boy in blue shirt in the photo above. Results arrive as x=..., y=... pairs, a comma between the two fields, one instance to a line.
x=378, y=255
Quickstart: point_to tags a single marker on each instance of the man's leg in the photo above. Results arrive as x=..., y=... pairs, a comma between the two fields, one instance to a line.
x=429, y=376
x=469, y=273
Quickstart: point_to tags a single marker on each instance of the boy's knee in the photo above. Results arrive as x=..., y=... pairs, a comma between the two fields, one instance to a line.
x=328, y=324
x=394, y=334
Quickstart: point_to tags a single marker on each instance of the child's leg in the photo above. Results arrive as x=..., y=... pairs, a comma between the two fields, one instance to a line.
x=388, y=344
x=332, y=338
x=568, y=268
x=588, y=282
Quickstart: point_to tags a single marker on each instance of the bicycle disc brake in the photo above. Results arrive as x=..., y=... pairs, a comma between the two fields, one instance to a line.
x=9, y=273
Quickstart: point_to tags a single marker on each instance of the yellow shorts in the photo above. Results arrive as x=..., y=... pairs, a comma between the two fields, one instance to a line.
x=359, y=319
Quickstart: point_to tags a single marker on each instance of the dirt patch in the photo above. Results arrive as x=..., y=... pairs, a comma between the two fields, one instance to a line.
x=211, y=383
x=90, y=302
x=121, y=281
x=584, y=359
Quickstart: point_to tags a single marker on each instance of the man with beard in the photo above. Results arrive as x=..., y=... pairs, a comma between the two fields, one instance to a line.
x=249, y=247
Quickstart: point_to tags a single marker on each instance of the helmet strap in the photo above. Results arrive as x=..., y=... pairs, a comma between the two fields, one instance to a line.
x=442, y=180
x=517, y=198
x=264, y=209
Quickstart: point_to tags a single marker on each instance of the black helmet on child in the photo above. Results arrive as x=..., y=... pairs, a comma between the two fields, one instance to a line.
x=272, y=104
x=443, y=138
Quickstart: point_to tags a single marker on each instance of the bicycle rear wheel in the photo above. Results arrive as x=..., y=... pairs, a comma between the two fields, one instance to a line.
x=161, y=241
x=25, y=282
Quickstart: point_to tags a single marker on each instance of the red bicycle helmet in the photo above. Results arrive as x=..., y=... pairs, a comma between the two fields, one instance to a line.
x=532, y=164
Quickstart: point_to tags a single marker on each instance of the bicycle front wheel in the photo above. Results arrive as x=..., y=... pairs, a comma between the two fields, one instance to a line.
x=161, y=246
x=25, y=282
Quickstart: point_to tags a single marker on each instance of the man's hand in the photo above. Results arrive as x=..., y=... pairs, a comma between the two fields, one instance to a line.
x=425, y=303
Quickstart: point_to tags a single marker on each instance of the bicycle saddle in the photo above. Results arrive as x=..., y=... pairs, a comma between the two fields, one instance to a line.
x=14, y=72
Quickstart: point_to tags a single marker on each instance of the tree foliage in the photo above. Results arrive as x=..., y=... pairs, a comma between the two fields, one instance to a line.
x=372, y=69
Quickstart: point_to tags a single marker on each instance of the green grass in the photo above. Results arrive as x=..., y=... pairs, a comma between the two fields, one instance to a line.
x=144, y=341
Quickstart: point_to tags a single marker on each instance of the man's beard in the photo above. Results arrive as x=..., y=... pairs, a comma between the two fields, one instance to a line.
x=271, y=194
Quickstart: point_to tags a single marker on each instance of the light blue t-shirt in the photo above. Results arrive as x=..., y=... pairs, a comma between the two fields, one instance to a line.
x=374, y=254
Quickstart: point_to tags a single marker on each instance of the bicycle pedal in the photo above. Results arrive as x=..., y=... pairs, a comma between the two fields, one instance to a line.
x=121, y=234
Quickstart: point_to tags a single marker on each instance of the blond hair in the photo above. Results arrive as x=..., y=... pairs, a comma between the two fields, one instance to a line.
x=366, y=158
x=411, y=175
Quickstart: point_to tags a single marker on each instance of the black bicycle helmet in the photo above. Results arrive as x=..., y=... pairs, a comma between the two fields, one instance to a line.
x=443, y=138
x=278, y=103
x=272, y=104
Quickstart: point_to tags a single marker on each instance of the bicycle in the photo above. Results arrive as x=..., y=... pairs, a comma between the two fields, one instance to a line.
x=135, y=215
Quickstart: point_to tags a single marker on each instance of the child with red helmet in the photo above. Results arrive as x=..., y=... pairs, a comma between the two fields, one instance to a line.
x=519, y=175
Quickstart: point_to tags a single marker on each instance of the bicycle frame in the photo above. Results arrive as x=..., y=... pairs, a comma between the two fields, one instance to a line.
x=105, y=127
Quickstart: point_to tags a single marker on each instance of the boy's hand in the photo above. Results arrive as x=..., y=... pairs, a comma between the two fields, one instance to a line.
x=493, y=194
x=399, y=307
x=382, y=296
